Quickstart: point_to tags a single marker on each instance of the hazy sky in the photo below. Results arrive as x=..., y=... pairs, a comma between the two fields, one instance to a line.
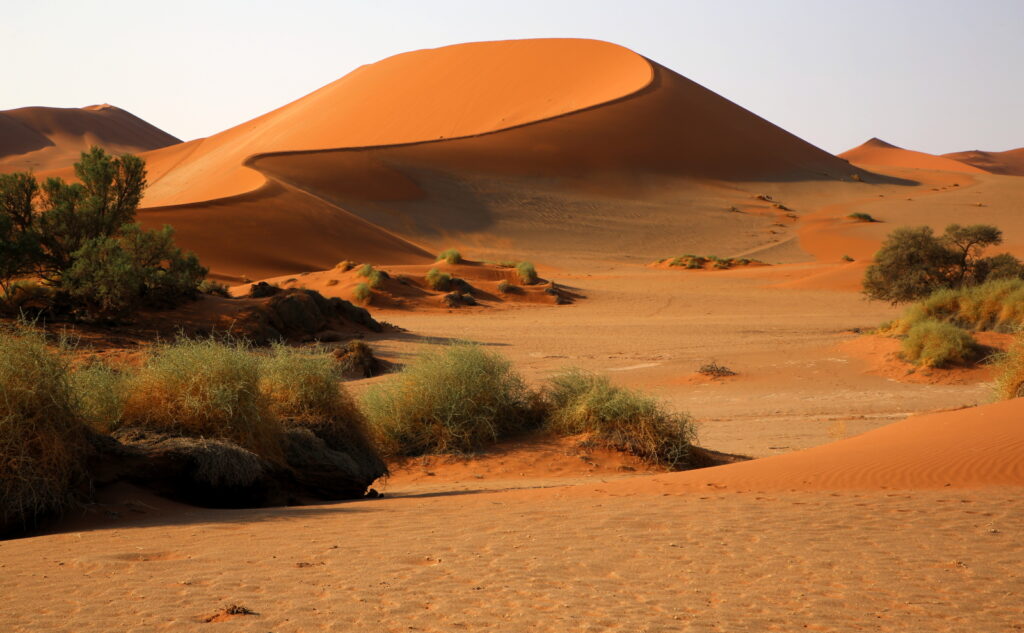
x=937, y=76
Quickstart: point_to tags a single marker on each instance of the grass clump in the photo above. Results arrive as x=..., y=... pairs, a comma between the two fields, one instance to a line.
x=345, y=266
x=100, y=392
x=41, y=436
x=304, y=390
x=456, y=399
x=450, y=256
x=204, y=388
x=504, y=287
x=527, y=273
x=931, y=343
x=213, y=287
x=374, y=276
x=437, y=280
x=861, y=217
x=1009, y=368
x=996, y=305
x=581, y=402
x=362, y=293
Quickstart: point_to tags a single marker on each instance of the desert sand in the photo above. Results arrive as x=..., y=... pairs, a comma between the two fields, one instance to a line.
x=881, y=498
x=40, y=139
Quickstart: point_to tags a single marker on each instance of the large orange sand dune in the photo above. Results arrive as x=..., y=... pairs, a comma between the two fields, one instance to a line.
x=1009, y=163
x=878, y=153
x=40, y=138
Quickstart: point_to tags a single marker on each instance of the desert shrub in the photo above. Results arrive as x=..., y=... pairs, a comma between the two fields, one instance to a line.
x=100, y=393
x=861, y=217
x=42, y=443
x=214, y=287
x=993, y=305
x=437, y=280
x=374, y=276
x=204, y=388
x=305, y=390
x=504, y=287
x=365, y=270
x=452, y=400
x=846, y=258
x=362, y=293
x=714, y=370
x=527, y=273
x=450, y=256
x=356, y=358
x=345, y=266
x=914, y=263
x=1009, y=370
x=932, y=343
x=24, y=297
x=581, y=402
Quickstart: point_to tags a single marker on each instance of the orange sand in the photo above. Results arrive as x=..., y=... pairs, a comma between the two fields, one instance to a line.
x=877, y=153
x=49, y=138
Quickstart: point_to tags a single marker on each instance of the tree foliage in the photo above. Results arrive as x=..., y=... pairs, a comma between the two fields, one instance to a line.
x=913, y=262
x=81, y=239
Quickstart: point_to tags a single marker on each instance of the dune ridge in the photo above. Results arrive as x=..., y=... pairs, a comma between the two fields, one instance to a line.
x=878, y=153
x=584, y=113
x=1008, y=163
x=41, y=138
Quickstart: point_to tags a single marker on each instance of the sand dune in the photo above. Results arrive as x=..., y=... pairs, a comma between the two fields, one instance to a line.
x=39, y=138
x=969, y=448
x=877, y=153
x=1008, y=163
x=590, y=117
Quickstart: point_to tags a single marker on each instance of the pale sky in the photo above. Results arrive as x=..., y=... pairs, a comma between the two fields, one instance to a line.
x=937, y=76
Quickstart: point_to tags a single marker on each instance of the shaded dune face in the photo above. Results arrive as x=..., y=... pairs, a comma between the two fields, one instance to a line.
x=878, y=153
x=40, y=138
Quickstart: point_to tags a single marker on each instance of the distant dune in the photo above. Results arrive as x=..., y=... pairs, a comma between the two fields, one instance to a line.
x=584, y=115
x=878, y=153
x=1009, y=163
x=40, y=138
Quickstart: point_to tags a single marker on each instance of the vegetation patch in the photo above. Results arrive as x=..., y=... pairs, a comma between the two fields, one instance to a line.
x=437, y=280
x=714, y=370
x=913, y=262
x=938, y=344
x=450, y=256
x=362, y=293
x=699, y=262
x=580, y=402
x=1009, y=369
x=42, y=439
x=457, y=399
x=861, y=217
x=527, y=273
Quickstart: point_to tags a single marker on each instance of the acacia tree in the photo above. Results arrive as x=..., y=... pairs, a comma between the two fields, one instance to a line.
x=81, y=239
x=913, y=262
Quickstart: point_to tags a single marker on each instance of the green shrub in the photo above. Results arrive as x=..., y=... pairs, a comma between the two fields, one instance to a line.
x=204, y=388
x=862, y=217
x=42, y=444
x=100, y=393
x=581, y=402
x=527, y=273
x=305, y=390
x=504, y=287
x=214, y=287
x=1009, y=369
x=913, y=262
x=454, y=400
x=451, y=256
x=366, y=270
x=932, y=343
x=437, y=280
x=362, y=293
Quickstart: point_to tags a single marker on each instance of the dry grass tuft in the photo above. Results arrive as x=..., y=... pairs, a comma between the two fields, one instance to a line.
x=581, y=402
x=457, y=399
x=931, y=343
x=42, y=441
x=204, y=388
x=1009, y=367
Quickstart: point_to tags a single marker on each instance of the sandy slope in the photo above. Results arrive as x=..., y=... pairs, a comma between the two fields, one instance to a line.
x=38, y=138
x=1009, y=163
x=877, y=153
